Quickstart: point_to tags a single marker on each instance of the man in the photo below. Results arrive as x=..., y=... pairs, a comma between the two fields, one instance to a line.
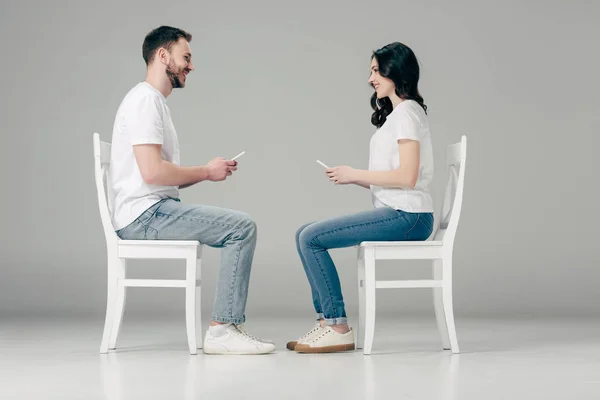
x=145, y=178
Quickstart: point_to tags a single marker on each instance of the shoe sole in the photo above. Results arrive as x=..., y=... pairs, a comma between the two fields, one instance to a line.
x=236, y=353
x=291, y=345
x=304, y=348
x=220, y=351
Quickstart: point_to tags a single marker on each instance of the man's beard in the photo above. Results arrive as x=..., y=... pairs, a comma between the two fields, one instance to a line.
x=173, y=73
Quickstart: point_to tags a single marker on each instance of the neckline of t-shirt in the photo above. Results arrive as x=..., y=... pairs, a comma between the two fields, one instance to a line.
x=155, y=89
x=403, y=103
x=395, y=108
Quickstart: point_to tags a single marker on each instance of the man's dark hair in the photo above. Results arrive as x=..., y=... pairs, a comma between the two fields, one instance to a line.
x=164, y=36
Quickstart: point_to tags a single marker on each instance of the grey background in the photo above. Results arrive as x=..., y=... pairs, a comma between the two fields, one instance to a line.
x=287, y=82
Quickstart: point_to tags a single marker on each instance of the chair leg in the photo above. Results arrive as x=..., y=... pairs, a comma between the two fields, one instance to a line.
x=121, y=271
x=199, y=303
x=448, y=306
x=360, y=331
x=190, y=303
x=439, y=305
x=111, y=302
x=369, y=282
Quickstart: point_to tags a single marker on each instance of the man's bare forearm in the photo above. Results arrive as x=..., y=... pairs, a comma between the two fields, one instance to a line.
x=169, y=174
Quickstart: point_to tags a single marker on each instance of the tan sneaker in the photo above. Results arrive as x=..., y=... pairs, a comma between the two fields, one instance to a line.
x=327, y=340
x=315, y=330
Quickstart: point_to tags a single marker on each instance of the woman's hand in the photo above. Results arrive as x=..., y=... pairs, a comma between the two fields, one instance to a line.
x=341, y=175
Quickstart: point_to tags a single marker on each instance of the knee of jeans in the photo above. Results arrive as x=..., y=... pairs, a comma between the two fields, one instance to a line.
x=299, y=231
x=248, y=226
x=307, y=238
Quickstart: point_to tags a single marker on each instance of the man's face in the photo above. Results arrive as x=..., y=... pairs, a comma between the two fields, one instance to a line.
x=179, y=63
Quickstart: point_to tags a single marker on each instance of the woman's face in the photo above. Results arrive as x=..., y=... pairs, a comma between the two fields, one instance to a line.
x=384, y=87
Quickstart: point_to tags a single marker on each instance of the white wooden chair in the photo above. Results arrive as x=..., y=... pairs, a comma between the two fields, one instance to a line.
x=439, y=250
x=119, y=251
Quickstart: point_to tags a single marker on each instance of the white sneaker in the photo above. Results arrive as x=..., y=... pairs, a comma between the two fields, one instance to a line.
x=307, y=336
x=235, y=341
x=327, y=341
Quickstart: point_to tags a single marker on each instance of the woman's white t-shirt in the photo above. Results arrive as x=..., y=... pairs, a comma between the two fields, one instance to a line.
x=407, y=121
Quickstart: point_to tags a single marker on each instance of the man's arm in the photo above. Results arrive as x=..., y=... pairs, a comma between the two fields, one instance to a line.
x=157, y=171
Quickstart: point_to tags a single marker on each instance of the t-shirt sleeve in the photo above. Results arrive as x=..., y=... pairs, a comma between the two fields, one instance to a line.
x=145, y=121
x=407, y=126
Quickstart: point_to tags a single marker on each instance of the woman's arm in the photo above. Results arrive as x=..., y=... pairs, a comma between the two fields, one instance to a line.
x=404, y=177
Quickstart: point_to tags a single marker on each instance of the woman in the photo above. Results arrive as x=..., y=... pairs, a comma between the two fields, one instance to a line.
x=400, y=171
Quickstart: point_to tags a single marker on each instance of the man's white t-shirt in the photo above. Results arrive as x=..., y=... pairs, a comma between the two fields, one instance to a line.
x=407, y=121
x=142, y=118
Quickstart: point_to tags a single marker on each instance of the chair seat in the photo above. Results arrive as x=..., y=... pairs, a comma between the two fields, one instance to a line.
x=405, y=243
x=158, y=248
x=121, y=242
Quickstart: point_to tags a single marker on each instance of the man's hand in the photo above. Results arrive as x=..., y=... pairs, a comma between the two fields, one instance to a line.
x=219, y=169
x=341, y=175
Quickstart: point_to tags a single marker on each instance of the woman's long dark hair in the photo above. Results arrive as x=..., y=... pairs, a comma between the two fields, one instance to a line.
x=398, y=63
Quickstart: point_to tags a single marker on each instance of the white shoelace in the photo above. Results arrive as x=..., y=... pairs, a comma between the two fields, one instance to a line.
x=240, y=328
x=322, y=335
x=313, y=330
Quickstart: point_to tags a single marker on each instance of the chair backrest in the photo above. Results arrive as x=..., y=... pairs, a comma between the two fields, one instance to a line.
x=456, y=158
x=101, y=164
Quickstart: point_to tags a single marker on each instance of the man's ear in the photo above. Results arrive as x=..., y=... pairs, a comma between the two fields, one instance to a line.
x=163, y=56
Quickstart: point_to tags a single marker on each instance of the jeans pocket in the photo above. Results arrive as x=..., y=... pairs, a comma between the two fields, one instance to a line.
x=413, y=224
x=136, y=231
x=150, y=212
x=422, y=228
x=123, y=232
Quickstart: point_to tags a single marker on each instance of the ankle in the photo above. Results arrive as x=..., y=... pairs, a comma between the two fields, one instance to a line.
x=342, y=328
x=216, y=323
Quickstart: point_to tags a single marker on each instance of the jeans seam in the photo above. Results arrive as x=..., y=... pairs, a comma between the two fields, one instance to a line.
x=233, y=277
x=356, y=225
x=318, y=310
x=151, y=229
x=413, y=227
x=327, y=283
x=430, y=228
x=201, y=220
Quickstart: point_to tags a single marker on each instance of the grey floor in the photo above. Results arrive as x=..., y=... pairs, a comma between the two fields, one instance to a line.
x=500, y=359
